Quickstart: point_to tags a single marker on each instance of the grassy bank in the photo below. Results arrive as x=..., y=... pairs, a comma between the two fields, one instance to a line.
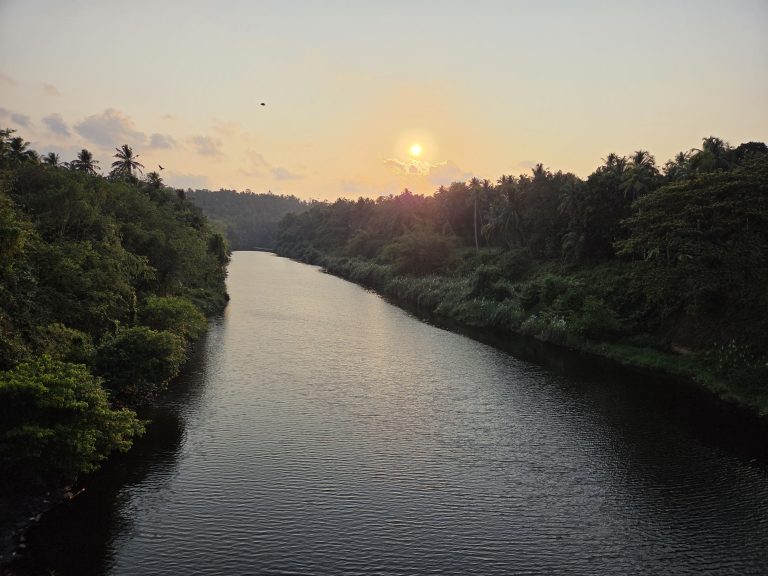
x=565, y=308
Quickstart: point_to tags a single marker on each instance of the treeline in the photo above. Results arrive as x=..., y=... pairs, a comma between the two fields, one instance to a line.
x=657, y=266
x=249, y=219
x=104, y=283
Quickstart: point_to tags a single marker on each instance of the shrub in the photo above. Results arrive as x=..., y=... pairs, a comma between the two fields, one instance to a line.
x=56, y=421
x=137, y=362
x=486, y=284
x=63, y=343
x=515, y=264
x=175, y=314
x=596, y=320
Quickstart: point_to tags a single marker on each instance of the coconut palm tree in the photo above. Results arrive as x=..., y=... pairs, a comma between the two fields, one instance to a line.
x=640, y=176
x=475, y=189
x=51, y=159
x=126, y=162
x=154, y=180
x=713, y=156
x=18, y=152
x=84, y=162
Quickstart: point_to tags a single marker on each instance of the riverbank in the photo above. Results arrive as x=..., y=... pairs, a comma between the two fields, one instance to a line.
x=458, y=301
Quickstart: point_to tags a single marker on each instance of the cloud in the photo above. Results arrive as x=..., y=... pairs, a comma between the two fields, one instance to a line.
x=261, y=166
x=412, y=166
x=282, y=174
x=50, y=89
x=448, y=173
x=56, y=124
x=352, y=187
x=18, y=119
x=6, y=80
x=110, y=128
x=161, y=141
x=185, y=180
x=526, y=164
x=207, y=146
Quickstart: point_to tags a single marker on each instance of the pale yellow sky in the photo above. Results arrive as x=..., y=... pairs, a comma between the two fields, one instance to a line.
x=486, y=87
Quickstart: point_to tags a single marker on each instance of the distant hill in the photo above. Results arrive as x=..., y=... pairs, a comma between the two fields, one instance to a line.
x=249, y=219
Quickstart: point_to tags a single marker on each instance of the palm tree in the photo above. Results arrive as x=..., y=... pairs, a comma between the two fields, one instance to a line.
x=154, y=180
x=126, y=162
x=475, y=190
x=679, y=167
x=84, y=162
x=713, y=156
x=51, y=159
x=640, y=177
x=18, y=152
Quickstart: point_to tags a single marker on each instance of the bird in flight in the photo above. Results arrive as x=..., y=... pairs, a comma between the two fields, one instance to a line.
x=161, y=168
x=263, y=104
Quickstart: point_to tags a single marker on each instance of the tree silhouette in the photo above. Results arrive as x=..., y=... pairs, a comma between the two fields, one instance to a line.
x=51, y=159
x=126, y=162
x=84, y=162
x=154, y=180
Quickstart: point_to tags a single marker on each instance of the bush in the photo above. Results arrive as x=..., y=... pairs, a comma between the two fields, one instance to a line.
x=486, y=284
x=596, y=320
x=56, y=421
x=174, y=314
x=63, y=343
x=515, y=264
x=137, y=362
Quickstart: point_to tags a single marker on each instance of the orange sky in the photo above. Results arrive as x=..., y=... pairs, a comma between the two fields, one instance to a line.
x=486, y=87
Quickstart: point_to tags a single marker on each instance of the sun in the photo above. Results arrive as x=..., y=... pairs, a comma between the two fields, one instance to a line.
x=415, y=150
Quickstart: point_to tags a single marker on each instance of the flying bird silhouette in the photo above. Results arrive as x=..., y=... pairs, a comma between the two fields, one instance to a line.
x=263, y=104
x=161, y=168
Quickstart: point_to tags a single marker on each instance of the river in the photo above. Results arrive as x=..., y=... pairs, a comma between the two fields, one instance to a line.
x=319, y=429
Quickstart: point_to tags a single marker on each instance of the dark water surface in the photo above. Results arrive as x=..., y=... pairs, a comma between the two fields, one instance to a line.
x=321, y=430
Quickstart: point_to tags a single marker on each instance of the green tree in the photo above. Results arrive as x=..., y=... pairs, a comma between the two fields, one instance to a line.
x=56, y=421
x=138, y=362
x=154, y=180
x=174, y=314
x=17, y=152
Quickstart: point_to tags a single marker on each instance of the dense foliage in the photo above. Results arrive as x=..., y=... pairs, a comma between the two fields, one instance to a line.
x=663, y=267
x=103, y=284
x=250, y=220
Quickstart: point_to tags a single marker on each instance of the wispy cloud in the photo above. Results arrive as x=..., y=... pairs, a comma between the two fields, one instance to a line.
x=448, y=173
x=50, y=89
x=207, y=146
x=526, y=164
x=352, y=187
x=283, y=174
x=19, y=119
x=261, y=167
x=412, y=166
x=56, y=124
x=186, y=180
x=161, y=141
x=110, y=128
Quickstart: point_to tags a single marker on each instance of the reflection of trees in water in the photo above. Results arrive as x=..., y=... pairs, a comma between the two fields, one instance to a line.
x=623, y=393
x=77, y=538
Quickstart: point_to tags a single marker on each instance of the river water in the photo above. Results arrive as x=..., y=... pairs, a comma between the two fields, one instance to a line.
x=320, y=430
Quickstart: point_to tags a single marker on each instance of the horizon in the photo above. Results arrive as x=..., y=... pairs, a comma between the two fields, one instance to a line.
x=351, y=90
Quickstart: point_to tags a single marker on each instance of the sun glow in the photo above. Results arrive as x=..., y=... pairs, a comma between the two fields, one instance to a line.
x=415, y=149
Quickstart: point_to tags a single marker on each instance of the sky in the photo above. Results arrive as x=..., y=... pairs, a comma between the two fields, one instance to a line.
x=485, y=87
